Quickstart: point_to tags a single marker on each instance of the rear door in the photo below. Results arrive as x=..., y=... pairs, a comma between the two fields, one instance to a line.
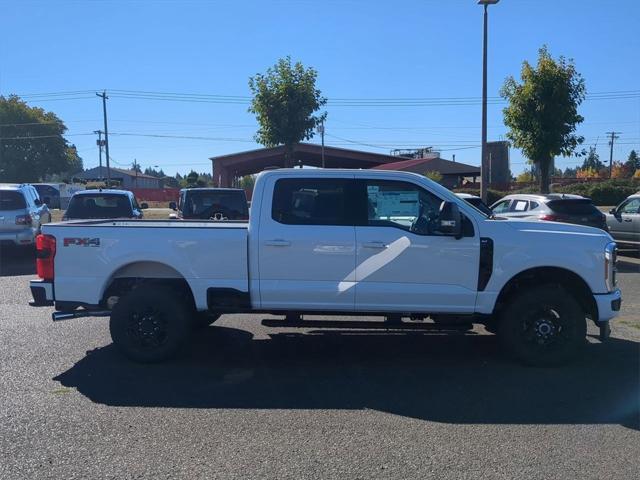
x=307, y=244
x=519, y=209
x=403, y=263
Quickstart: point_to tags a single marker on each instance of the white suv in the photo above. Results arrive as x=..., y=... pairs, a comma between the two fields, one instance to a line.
x=21, y=214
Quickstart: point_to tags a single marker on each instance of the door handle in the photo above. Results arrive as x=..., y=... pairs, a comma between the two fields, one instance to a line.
x=278, y=242
x=375, y=245
x=628, y=220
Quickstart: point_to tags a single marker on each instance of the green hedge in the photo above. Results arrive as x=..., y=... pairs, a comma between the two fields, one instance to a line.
x=609, y=192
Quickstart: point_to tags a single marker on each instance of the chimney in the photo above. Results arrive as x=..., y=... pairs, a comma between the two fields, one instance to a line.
x=454, y=157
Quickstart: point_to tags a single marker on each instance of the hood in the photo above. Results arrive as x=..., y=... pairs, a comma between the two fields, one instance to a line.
x=538, y=226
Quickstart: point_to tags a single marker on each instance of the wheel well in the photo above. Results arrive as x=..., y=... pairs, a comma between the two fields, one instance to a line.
x=535, y=277
x=134, y=275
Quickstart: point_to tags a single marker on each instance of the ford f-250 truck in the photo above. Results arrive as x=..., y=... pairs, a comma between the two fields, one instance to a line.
x=352, y=242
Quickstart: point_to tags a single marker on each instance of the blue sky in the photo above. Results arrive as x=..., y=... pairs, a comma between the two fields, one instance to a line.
x=361, y=49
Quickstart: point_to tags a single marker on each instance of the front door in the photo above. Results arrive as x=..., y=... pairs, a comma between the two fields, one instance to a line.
x=307, y=245
x=625, y=225
x=403, y=263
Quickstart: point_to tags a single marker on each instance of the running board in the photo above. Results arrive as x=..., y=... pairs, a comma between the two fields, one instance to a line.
x=366, y=325
x=59, y=316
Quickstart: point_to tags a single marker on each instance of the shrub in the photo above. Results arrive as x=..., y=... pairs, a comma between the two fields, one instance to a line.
x=609, y=192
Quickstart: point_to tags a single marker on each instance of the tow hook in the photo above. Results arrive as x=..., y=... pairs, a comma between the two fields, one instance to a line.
x=605, y=331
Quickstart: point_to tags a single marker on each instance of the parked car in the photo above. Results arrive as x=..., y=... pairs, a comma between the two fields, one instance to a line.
x=358, y=242
x=624, y=221
x=49, y=194
x=476, y=202
x=553, y=207
x=211, y=204
x=103, y=203
x=22, y=214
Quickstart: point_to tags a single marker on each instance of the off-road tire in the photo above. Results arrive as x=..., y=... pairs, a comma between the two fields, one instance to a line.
x=149, y=324
x=543, y=326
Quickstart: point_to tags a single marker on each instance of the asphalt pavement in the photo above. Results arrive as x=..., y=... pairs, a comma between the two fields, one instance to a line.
x=247, y=401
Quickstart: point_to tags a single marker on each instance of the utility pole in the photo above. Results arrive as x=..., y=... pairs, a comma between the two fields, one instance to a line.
x=321, y=131
x=484, y=165
x=100, y=144
x=613, y=139
x=104, y=97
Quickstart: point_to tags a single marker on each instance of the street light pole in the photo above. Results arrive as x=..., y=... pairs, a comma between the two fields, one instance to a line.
x=484, y=165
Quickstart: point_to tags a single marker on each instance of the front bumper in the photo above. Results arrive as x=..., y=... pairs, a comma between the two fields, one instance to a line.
x=608, y=305
x=42, y=293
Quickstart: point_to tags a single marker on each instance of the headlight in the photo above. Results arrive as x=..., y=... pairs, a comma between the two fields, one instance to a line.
x=610, y=258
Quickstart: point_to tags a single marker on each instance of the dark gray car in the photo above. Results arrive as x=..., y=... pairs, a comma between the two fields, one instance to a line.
x=553, y=207
x=624, y=221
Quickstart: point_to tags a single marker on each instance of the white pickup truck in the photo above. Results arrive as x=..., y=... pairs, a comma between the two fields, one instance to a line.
x=348, y=242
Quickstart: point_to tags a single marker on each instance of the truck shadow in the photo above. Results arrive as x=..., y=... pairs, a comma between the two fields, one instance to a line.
x=457, y=379
x=17, y=261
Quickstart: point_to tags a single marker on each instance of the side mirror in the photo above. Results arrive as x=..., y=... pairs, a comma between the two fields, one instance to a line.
x=144, y=206
x=450, y=220
x=37, y=202
x=613, y=211
x=173, y=206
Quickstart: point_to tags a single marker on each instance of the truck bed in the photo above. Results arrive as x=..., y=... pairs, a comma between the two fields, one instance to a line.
x=91, y=254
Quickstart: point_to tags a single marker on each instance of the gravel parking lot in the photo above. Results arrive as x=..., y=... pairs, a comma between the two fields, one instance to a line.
x=254, y=402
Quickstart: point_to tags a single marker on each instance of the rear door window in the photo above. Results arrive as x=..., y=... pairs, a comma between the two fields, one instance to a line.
x=520, y=206
x=11, y=200
x=312, y=201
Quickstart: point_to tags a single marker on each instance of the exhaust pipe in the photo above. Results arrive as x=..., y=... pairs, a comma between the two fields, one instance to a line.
x=59, y=316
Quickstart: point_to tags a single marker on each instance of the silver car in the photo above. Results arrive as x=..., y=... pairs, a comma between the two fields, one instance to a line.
x=552, y=207
x=21, y=214
x=624, y=221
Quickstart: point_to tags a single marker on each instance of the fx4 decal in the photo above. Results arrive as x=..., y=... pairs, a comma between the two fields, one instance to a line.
x=81, y=242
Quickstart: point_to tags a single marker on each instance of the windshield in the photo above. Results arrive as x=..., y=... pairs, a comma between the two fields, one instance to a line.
x=99, y=205
x=11, y=200
x=205, y=204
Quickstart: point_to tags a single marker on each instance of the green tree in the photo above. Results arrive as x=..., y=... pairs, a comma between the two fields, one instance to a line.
x=542, y=114
x=285, y=100
x=633, y=162
x=32, y=144
x=135, y=166
x=247, y=182
x=525, y=177
x=570, y=172
x=592, y=161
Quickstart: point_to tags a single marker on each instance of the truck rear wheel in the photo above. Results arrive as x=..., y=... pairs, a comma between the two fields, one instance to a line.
x=543, y=326
x=149, y=325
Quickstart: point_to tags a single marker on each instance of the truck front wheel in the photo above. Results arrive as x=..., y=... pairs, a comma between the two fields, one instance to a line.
x=149, y=324
x=543, y=326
